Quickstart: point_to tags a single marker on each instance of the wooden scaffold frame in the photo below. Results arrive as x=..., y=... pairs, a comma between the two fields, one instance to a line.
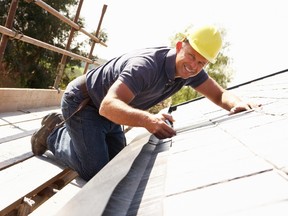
x=9, y=33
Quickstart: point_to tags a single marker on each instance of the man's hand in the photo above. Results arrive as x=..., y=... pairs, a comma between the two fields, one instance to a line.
x=243, y=106
x=159, y=126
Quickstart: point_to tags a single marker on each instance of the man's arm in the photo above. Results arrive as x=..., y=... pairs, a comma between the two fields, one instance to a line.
x=223, y=98
x=115, y=107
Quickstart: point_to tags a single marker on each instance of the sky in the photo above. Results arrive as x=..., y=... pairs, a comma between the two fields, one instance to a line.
x=256, y=30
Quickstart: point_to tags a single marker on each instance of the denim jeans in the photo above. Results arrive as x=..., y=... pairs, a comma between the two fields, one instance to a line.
x=87, y=141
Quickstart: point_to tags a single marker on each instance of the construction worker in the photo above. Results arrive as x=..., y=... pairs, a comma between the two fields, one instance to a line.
x=118, y=93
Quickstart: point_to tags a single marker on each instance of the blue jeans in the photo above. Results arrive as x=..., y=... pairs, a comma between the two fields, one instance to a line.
x=87, y=141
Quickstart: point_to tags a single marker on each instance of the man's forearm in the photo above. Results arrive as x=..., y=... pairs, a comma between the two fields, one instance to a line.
x=119, y=112
x=229, y=100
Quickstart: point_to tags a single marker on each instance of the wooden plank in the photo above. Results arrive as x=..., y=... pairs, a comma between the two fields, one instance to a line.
x=10, y=162
x=56, y=202
x=18, y=125
x=14, y=152
x=21, y=179
x=25, y=115
x=24, y=118
x=16, y=130
x=17, y=136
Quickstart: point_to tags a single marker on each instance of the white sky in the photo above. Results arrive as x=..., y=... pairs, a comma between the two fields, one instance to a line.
x=256, y=29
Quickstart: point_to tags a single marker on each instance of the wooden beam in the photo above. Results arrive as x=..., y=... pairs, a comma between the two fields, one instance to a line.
x=24, y=38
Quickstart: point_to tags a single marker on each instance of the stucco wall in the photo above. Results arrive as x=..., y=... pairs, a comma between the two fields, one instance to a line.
x=13, y=99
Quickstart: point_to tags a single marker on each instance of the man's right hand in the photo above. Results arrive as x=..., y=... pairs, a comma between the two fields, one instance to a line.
x=159, y=126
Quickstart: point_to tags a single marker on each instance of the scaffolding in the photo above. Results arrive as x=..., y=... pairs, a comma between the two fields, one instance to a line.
x=7, y=33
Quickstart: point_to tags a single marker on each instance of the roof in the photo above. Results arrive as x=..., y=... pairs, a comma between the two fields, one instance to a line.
x=27, y=181
x=218, y=164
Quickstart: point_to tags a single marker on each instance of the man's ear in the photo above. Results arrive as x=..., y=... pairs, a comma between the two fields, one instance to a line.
x=179, y=46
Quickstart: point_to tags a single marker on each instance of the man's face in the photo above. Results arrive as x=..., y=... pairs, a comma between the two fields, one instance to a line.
x=188, y=62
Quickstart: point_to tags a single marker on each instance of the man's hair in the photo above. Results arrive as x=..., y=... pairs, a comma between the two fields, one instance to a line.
x=185, y=40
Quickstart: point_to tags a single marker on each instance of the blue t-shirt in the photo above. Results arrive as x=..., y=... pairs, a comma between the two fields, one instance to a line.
x=149, y=74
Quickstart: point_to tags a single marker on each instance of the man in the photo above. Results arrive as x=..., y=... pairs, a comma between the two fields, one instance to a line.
x=117, y=93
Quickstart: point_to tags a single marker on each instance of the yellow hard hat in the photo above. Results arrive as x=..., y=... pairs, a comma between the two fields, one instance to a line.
x=206, y=41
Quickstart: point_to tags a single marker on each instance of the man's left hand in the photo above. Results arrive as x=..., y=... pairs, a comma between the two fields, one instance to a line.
x=243, y=106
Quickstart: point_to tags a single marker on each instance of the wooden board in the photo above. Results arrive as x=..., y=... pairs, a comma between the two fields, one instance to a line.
x=22, y=178
x=14, y=152
x=56, y=202
x=21, y=124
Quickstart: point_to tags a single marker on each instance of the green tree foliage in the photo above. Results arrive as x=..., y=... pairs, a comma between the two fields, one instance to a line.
x=29, y=65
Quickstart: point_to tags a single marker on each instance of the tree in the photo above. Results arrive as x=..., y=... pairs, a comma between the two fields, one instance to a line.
x=31, y=66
